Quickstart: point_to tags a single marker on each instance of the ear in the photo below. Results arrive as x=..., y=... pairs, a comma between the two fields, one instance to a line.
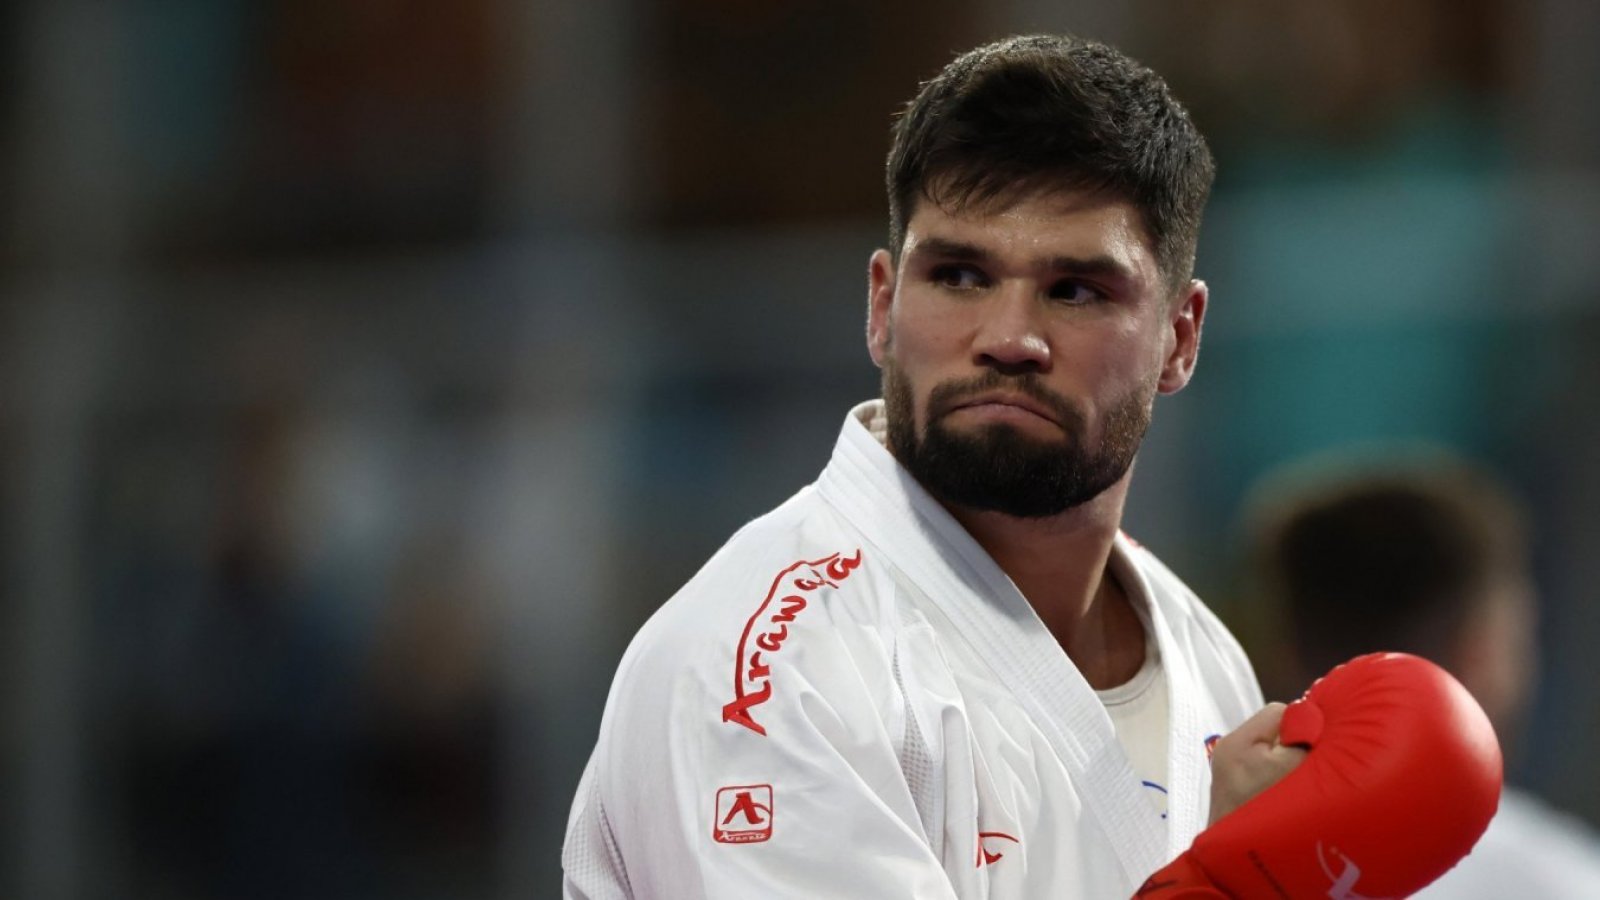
x=1496, y=652
x=1183, y=338
x=880, y=299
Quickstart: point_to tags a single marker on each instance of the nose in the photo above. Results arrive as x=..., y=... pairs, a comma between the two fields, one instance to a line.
x=1011, y=336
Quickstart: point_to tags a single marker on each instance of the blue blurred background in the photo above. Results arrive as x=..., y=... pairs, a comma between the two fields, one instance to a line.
x=370, y=370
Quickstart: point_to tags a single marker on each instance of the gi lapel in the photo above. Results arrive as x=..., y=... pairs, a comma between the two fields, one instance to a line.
x=930, y=548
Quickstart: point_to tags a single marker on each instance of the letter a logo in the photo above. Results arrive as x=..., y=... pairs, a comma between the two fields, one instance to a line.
x=1344, y=883
x=744, y=814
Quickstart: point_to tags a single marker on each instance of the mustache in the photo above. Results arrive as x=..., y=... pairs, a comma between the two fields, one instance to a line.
x=947, y=396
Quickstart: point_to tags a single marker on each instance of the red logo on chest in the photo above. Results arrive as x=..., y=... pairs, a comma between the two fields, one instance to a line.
x=766, y=631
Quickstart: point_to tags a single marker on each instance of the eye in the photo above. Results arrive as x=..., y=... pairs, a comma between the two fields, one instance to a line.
x=1072, y=291
x=958, y=277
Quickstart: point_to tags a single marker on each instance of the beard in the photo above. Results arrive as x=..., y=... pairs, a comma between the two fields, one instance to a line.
x=1000, y=469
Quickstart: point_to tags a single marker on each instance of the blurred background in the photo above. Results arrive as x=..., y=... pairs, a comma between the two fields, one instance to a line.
x=371, y=369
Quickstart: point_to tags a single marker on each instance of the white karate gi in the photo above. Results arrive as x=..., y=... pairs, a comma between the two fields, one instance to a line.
x=1531, y=852
x=852, y=700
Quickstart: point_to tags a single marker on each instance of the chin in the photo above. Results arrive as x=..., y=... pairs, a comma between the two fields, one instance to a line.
x=1001, y=433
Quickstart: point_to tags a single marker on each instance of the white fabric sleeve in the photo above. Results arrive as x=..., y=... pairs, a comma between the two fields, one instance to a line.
x=806, y=800
x=592, y=866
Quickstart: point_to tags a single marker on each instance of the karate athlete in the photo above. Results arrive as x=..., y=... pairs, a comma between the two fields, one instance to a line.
x=941, y=670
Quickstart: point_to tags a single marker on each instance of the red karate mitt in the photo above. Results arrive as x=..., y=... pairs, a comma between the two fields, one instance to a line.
x=1401, y=777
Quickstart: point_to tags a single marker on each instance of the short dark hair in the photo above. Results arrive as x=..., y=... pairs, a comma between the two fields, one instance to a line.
x=1052, y=111
x=1391, y=559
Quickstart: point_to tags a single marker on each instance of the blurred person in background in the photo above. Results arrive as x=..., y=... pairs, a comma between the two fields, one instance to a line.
x=1429, y=557
x=942, y=670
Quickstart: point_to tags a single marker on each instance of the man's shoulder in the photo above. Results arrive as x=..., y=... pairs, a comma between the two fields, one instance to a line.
x=1526, y=823
x=776, y=615
x=797, y=567
x=1531, y=848
x=803, y=532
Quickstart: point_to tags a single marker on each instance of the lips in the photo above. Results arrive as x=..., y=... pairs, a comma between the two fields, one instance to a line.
x=1027, y=404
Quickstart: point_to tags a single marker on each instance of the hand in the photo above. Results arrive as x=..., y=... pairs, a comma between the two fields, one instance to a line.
x=1399, y=779
x=1248, y=760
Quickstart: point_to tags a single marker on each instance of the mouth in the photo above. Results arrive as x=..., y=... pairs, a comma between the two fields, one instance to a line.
x=1007, y=407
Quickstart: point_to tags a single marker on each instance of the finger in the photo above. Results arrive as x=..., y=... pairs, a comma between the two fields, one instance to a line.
x=1261, y=728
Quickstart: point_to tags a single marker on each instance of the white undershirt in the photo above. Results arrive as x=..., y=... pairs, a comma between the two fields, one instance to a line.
x=1138, y=710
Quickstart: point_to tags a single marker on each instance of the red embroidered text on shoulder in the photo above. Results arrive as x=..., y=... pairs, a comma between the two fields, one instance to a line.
x=768, y=629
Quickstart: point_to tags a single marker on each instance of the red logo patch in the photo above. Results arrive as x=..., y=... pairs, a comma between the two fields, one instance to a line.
x=751, y=673
x=744, y=814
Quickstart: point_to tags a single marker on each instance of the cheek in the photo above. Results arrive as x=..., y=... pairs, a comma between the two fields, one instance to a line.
x=928, y=330
x=1143, y=348
x=923, y=347
x=916, y=358
x=901, y=406
x=1117, y=355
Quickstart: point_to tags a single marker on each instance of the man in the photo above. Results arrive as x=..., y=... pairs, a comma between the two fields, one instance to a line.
x=941, y=670
x=1430, y=558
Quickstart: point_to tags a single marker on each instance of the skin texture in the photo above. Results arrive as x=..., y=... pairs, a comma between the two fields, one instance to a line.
x=1061, y=289
x=1248, y=760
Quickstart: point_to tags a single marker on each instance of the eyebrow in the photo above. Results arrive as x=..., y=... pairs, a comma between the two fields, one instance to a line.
x=948, y=249
x=1100, y=265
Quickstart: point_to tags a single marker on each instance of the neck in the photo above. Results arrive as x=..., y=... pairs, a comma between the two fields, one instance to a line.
x=1059, y=564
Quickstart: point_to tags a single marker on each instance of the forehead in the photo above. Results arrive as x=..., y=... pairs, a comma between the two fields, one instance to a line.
x=1054, y=223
